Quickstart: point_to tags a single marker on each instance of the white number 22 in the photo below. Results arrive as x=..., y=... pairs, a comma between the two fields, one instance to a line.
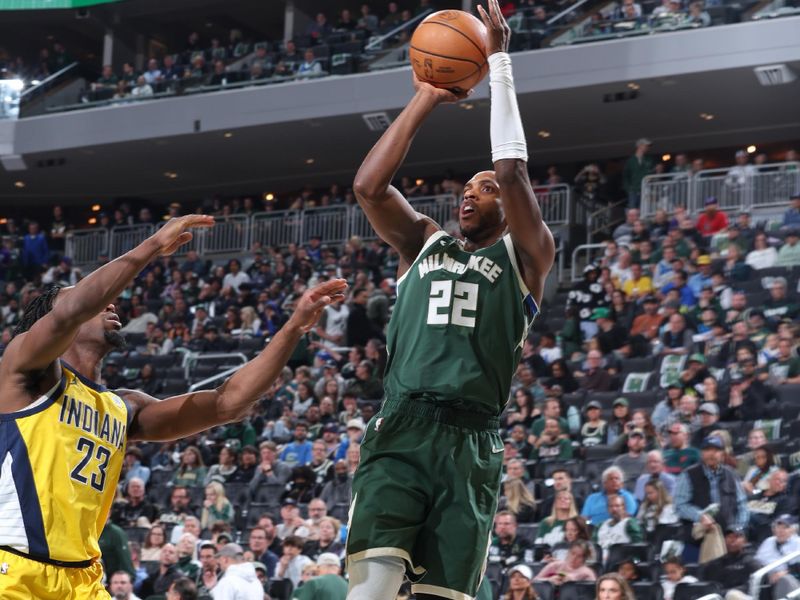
x=464, y=298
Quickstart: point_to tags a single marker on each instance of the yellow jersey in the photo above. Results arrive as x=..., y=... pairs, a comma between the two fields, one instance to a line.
x=60, y=461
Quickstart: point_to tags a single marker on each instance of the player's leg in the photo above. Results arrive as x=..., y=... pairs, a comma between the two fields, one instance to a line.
x=376, y=578
x=390, y=500
x=455, y=541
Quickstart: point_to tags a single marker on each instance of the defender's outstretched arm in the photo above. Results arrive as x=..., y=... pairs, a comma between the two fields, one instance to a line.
x=187, y=414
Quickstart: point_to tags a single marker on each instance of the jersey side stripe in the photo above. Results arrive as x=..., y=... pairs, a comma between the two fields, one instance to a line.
x=26, y=488
x=12, y=526
x=428, y=243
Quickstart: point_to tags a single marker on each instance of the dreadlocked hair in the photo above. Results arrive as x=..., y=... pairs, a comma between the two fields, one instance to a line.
x=37, y=308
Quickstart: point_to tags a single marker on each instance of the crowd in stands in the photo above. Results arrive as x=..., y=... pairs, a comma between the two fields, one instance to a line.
x=650, y=431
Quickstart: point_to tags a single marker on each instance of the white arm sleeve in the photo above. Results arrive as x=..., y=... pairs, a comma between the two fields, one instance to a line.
x=505, y=124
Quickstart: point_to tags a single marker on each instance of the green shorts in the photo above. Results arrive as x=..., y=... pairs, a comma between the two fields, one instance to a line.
x=426, y=491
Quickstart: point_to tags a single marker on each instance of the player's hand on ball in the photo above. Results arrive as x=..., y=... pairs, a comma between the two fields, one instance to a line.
x=442, y=96
x=497, y=29
x=314, y=301
x=176, y=232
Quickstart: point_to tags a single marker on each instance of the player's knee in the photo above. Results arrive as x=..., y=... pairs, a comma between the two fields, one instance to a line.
x=376, y=578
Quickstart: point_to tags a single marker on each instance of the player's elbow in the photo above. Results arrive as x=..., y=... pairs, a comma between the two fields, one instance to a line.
x=511, y=171
x=366, y=190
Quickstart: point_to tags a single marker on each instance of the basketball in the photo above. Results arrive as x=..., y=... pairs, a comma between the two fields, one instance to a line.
x=448, y=50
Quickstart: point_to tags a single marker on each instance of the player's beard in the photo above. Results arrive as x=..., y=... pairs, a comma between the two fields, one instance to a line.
x=115, y=340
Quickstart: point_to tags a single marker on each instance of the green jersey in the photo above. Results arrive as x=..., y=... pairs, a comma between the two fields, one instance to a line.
x=324, y=587
x=458, y=326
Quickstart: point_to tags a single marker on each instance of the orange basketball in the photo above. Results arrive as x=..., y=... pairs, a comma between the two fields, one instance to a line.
x=448, y=50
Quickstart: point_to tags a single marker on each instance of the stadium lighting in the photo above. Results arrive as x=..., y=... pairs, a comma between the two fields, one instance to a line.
x=92, y=221
x=467, y=105
x=269, y=196
x=96, y=208
x=170, y=174
x=706, y=116
x=19, y=184
x=309, y=161
x=228, y=134
x=666, y=157
x=420, y=181
x=633, y=86
x=751, y=149
x=544, y=134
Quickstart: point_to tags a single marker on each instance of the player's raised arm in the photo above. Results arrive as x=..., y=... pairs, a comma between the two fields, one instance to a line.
x=396, y=222
x=36, y=348
x=532, y=238
x=187, y=414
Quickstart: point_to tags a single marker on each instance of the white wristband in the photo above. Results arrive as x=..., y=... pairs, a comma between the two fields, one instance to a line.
x=505, y=124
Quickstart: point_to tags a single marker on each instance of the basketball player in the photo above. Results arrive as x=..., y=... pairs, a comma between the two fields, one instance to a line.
x=426, y=489
x=63, y=436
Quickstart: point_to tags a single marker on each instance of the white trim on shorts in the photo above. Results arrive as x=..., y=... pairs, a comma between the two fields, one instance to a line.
x=388, y=551
x=435, y=590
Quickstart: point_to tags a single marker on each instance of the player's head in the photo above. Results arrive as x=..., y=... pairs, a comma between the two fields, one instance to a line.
x=481, y=215
x=102, y=329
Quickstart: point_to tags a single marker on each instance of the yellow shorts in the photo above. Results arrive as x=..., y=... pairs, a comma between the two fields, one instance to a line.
x=24, y=579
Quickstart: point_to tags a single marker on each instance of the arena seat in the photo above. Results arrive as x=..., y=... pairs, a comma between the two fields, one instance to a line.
x=692, y=591
x=577, y=590
x=617, y=552
x=544, y=590
x=527, y=531
x=647, y=590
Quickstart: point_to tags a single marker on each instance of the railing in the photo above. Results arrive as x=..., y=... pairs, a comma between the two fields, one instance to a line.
x=586, y=249
x=555, y=202
x=735, y=188
x=235, y=234
x=192, y=359
x=602, y=220
x=376, y=43
x=221, y=376
x=755, y=578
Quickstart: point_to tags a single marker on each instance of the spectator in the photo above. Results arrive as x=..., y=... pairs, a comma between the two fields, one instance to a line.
x=298, y=452
x=359, y=328
x=216, y=507
x=785, y=367
x=182, y=588
x=638, y=285
x=562, y=481
x=337, y=491
x=636, y=168
x=595, y=509
x=328, y=584
x=634, y=460
x=619, y=528
x=328, y=539
x=679, y=456
x=191, y=471
x=291, y=564
x=654, y=472
x=784, y=540
x=674, y=573
x=368, y=22
x=365, y=385
x=749, y=397
x=791, y=218
x=551, y=528
x=142, y=88
x=696, y=15
x=115, y=550
x=121, y=586
x=235, y=277
x=310, y=65
x=186, y=548
x=226, y=468
x=507, y=548
x=550, y=444
x=620, y=420
x=596, y=378
x=133, y=466
x=623, y=233
x=712, y=220
x=739, y=174
x=153, y=74
x=612, y=339
x=134, y=510
x=763, y=256
x=573, y=568
x=757, y=476
x=518, y=499
x=179, y=507
x=677, y=339
x=319, y=29
x=709, y=417
x=167, y=572
x=733, y=569
x=656, y=509
x=765, y=507
x=593, y=430
x=709, y=499
x=789, y=253
x=239, y=580
x=519, y=584
x=35, y=251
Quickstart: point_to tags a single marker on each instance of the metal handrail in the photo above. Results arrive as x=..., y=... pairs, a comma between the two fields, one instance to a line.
x=755, y=578
x=376, y=43
x=566, y=11
x=581, y=248
x=223, y=375
x=192, y=359
x=47, y=80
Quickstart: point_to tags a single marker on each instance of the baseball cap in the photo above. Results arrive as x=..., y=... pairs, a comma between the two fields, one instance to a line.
x=355, y=424
x=735, y=530
x=523, y=570
x=697, y=358
x=224, y=536
x=638, y=432
x=600, y=313
x=793, y=232
x=289, y=502
x=622, y=401
x=230, y=550
x=785, y=519
x=704, y=259
x=259, y=566
x=650, y=299
x=672, y=304
x=712, y=441
x=710, y=200
x=674, y=384
x=328, y=559
x=709, y=407
x=643, y=142
x=330, y=428
x=593, y=404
